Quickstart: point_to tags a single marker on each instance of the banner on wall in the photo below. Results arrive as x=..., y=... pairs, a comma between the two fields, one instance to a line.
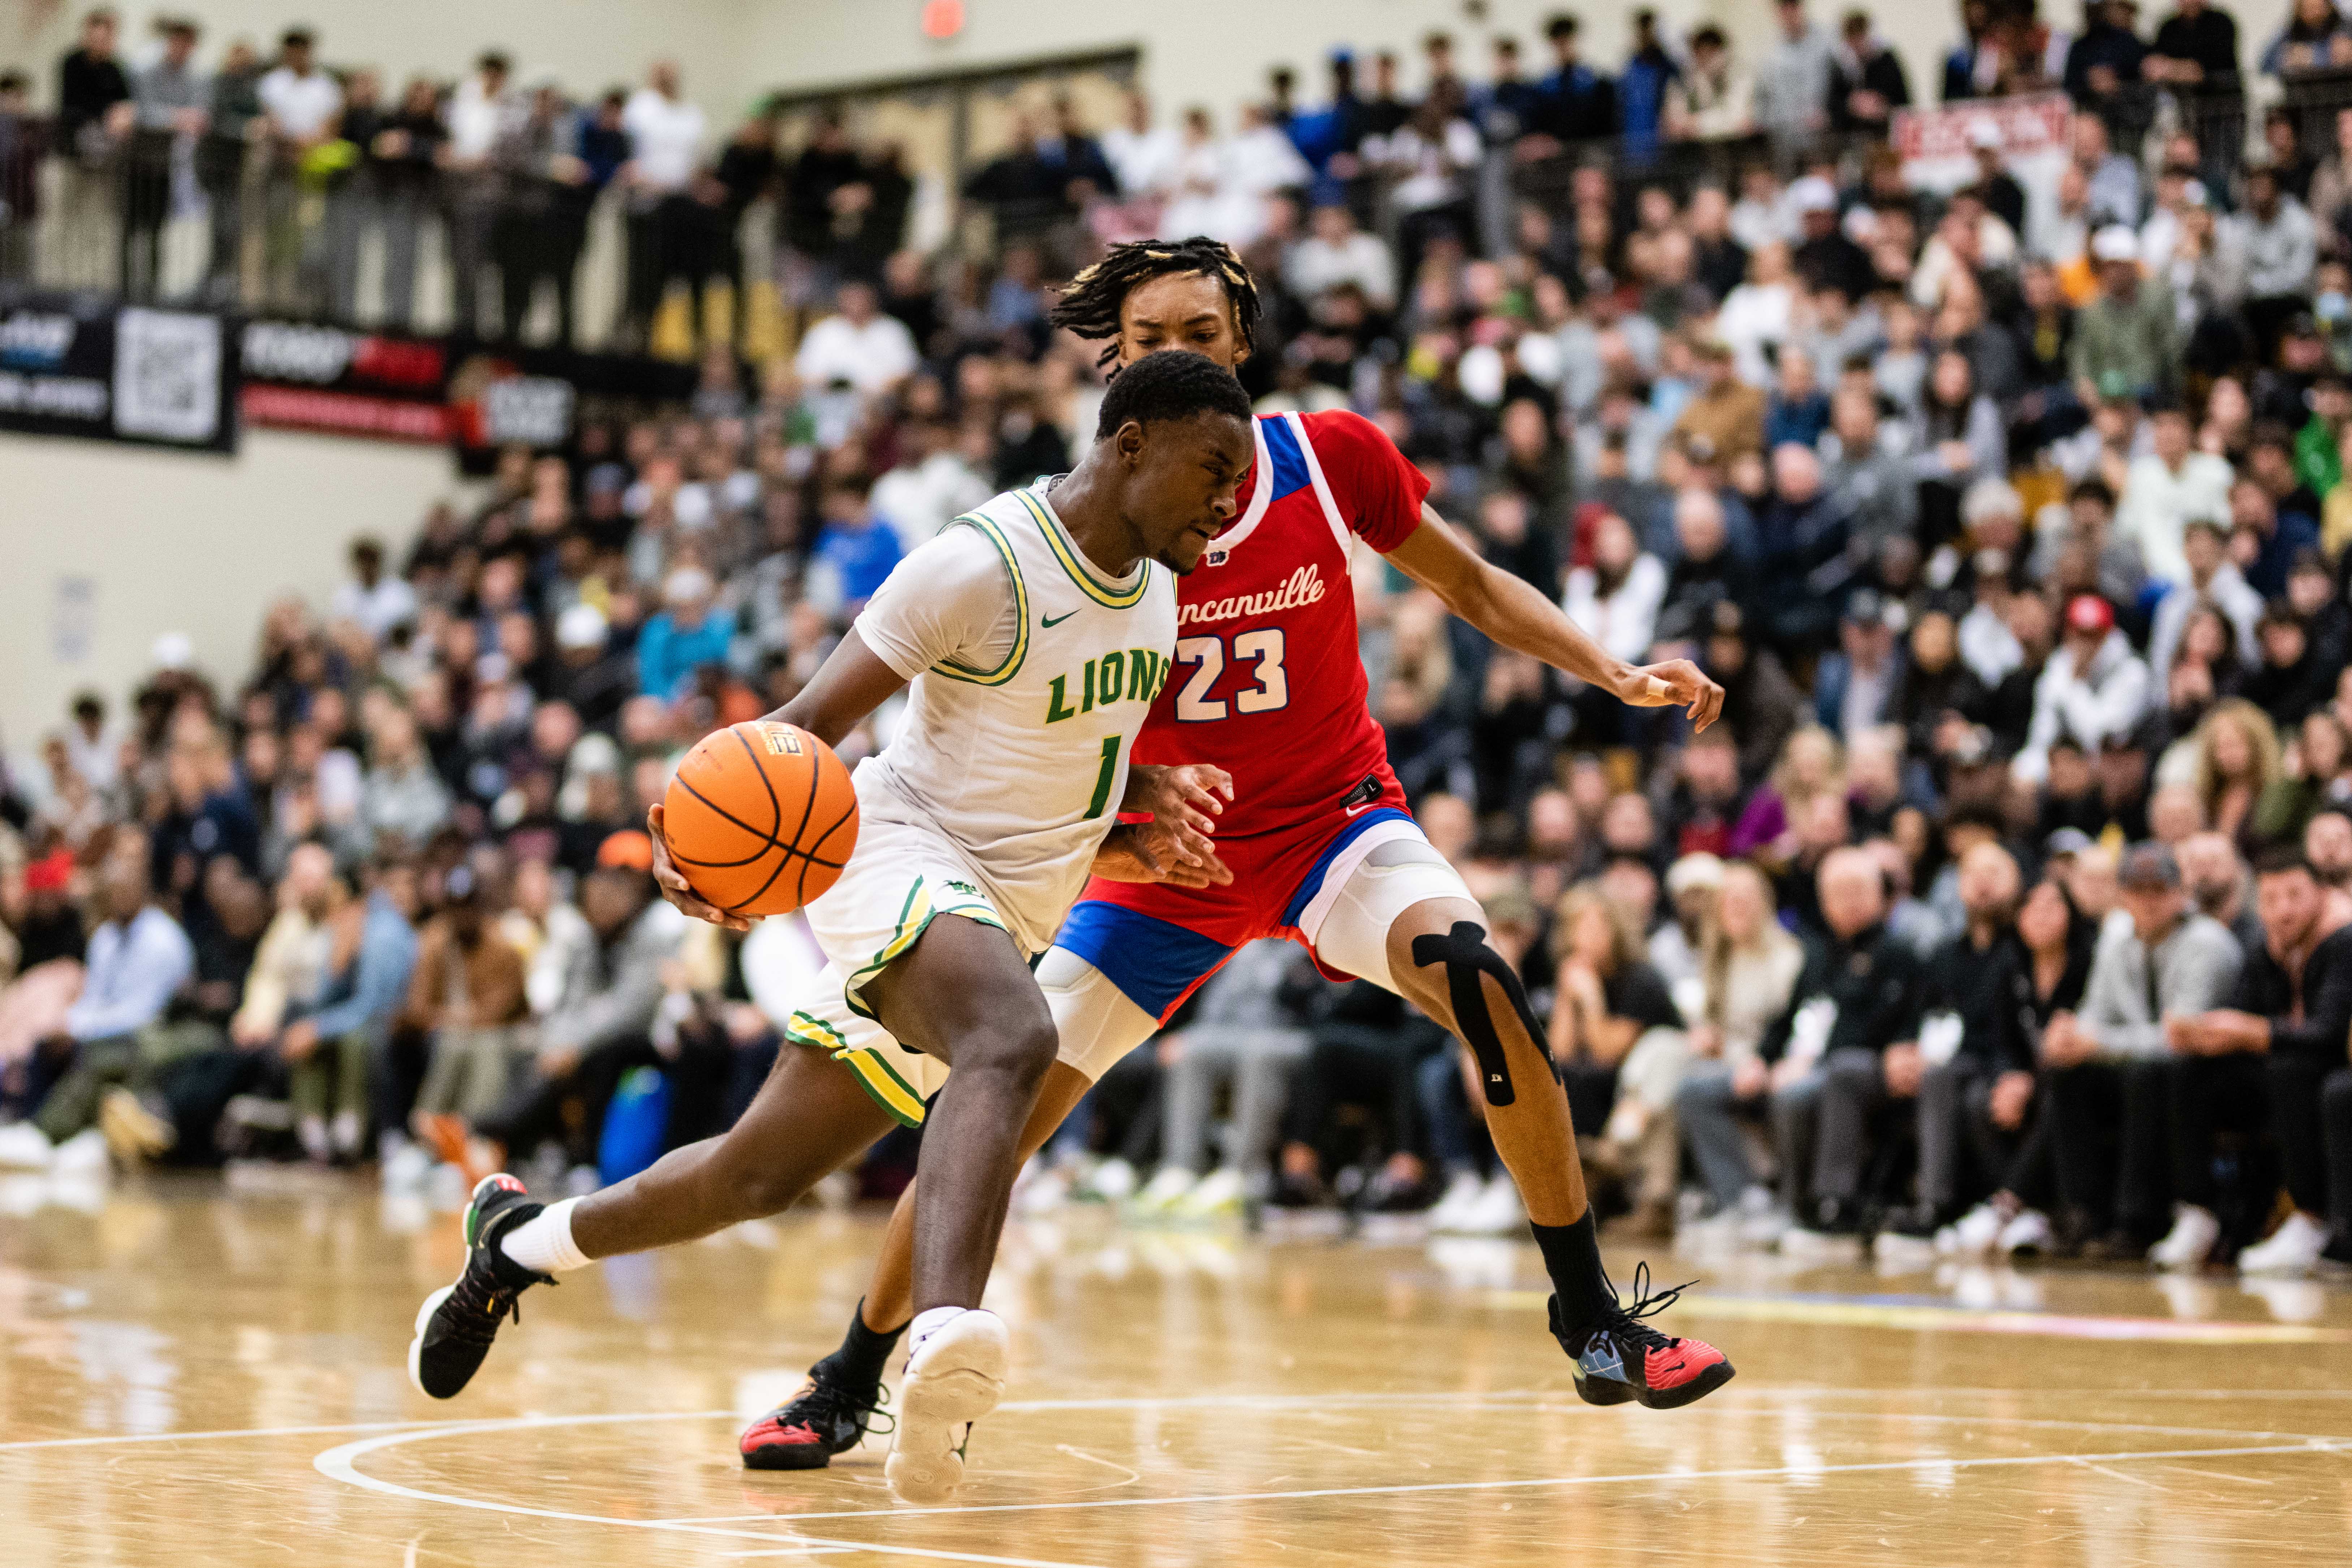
x=386, y=385
x=1939, y=144
x=71, y=366
x=534, y=396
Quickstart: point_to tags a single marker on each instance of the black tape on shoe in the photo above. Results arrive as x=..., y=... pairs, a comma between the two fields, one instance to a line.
x=1467, y=956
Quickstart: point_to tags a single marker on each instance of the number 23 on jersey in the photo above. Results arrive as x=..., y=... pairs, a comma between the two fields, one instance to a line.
x=1263, y=646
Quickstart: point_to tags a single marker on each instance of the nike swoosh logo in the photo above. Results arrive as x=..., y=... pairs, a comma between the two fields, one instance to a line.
x=1354, y=809
x=1051, y=621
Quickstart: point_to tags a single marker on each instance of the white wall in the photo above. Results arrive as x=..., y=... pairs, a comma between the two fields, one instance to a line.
x=169, y=541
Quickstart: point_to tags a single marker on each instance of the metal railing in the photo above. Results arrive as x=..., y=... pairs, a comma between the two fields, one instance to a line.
x=230, y=223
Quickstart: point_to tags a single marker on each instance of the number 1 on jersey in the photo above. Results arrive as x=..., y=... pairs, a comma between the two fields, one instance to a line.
x=1102, y=780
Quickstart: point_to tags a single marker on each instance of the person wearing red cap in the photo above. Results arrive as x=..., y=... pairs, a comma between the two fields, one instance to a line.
x=2093, y=689
x=51, y=926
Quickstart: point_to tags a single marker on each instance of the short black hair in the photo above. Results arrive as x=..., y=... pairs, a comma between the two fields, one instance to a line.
x=1172, y=385
x=2279, y=858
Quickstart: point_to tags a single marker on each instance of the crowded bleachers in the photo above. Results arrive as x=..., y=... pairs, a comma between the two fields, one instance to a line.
x=2010, y=906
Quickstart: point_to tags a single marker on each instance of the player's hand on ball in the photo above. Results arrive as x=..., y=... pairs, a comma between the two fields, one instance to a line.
x=674, y=886
x=1676, y=683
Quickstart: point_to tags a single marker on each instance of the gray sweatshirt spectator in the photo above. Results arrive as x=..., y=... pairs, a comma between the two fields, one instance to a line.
x=2196, y=963
x=612, y=990
x=2282, y=244
x=1793, y=85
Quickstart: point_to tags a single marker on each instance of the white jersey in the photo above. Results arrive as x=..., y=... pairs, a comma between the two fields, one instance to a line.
x=1033, y=673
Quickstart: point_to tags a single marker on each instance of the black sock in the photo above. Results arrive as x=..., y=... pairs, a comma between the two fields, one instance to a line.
x=859, y=1360
x=1571, y=1255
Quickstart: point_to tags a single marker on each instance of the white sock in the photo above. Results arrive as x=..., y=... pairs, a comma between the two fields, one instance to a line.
x=928, y=1323
x=544, y=1240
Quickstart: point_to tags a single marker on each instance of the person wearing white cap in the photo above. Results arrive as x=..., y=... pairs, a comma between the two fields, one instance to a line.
x=2127, y=342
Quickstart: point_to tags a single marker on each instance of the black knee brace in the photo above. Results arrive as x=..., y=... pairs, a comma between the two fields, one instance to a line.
x=1467, y=956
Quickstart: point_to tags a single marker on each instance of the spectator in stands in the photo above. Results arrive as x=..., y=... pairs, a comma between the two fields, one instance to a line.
x=2094, y=688
x=110, y=1051
x=1979, y=1073
x=2282, y=249
x=1750, y=966
x=2111, y=1070
x=1246, y=1031
x=467, y=996
x=683, y=637
x=1714, y=97
x=171, y=102
x=1845, y=1044
x=2292, y=1007
x=857, y=346
x=2125, y=339
x=94, y=117
x=2167, y=487
x=1867, y=81
x=377, y=603
x=301, y=105
x=2197, y=48
x=1793, y=84
x=665, y=216
x=1336, y=252
x=1577, y=103
x=404, y=801
x=599, y=1026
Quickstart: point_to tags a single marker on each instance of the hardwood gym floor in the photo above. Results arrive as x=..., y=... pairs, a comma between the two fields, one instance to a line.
x=192, y=1377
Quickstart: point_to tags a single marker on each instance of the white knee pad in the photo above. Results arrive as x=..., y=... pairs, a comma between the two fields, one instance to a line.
x=1352, y=933
x=1096, y=1022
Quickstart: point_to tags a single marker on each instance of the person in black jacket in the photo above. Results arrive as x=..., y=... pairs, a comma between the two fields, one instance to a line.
x=1979, y=1072
x=1866, y=80
x=2292, y=1014
x=1847, y=1045
x=1576, y=102
x=2051, y=942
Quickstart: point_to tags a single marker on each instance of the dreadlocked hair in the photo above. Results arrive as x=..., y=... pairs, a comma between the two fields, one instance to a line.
x=1090, y=305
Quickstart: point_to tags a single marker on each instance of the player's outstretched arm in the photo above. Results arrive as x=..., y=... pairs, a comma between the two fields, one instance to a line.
x=852, y=683
x=1517, y=615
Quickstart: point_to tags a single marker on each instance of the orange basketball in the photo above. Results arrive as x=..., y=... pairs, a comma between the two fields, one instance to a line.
x=761, y=817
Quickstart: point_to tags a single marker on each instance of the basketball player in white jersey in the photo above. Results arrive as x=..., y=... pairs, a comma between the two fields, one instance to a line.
x=1034, y=634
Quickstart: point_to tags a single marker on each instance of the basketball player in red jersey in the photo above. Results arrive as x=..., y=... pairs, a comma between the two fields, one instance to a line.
x=1268, y=685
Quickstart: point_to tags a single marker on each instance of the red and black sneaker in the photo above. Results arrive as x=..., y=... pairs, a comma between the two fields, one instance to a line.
x=1623, y=1358
x=822, y=1420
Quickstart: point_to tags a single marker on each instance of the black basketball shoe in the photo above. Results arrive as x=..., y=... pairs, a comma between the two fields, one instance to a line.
x=824, y=1418
x=1623, y=1358
x=457, y=1323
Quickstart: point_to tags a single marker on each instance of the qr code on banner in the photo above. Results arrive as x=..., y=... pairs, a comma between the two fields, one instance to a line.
x=167, y=368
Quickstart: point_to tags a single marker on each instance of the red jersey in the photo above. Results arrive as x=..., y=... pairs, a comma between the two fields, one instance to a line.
x=1268, y=683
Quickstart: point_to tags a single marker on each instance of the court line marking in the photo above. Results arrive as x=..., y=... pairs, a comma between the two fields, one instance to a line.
x=246, y=1432
x=1751, y=1392
x=338, y=1464
x=341, y=1464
